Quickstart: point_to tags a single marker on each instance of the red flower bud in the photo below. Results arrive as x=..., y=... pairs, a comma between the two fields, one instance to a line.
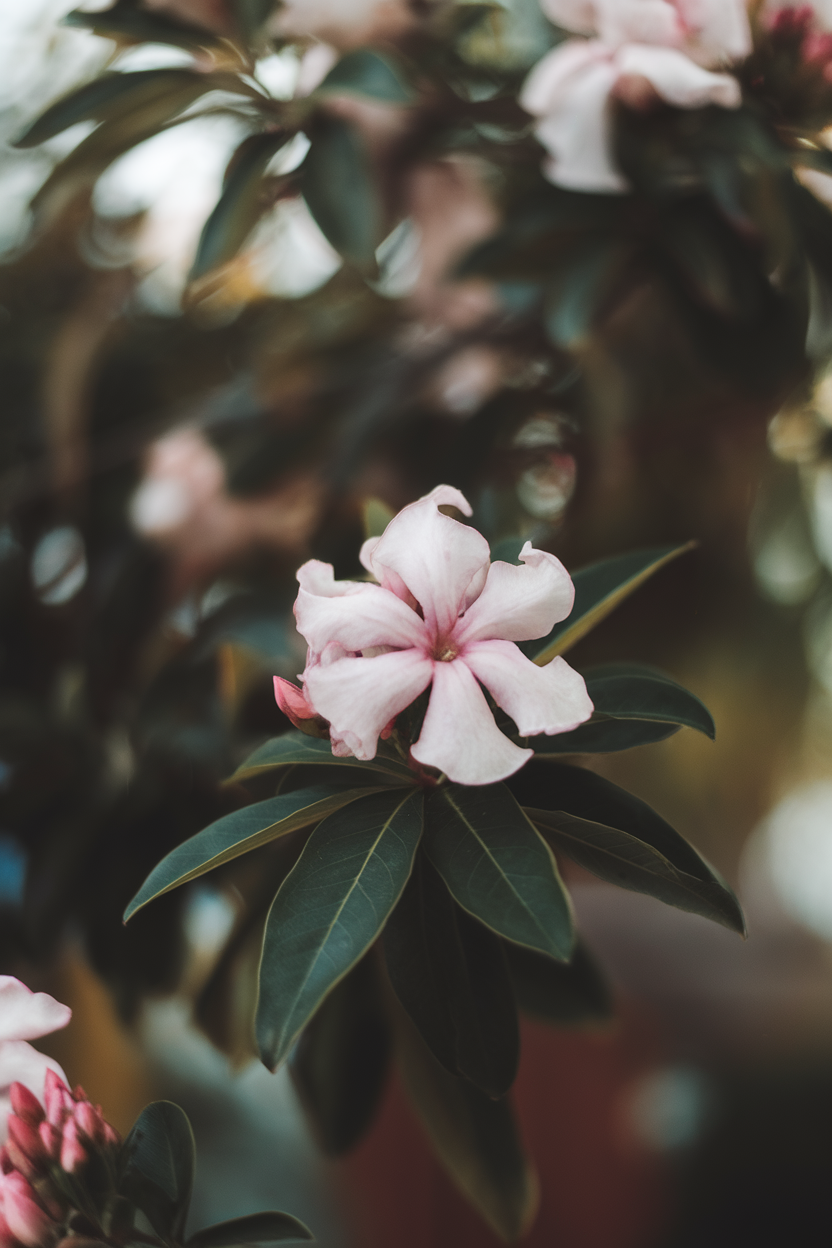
x=25, y=1104
x=25, y=1147
x=73, y=1153
x=57, y=1099
x=88, y=1121
x=50, y=1138
x=24, y=1216
x=7, y=1240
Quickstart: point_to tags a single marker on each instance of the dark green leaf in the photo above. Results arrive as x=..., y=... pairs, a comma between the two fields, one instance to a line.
x=577, y=292
x=339, y=189
x=295, y=748
x=636, y=691
x=716, y=269
x=368, y=73
x=450, y=974
x=625, y=860
x=159, y=1173
x=241, y=204
x=267, y=1227
x=125, y=18
x=109, y=97
x=497, y=867
x=240, y=832
x=601, y=735
x=330, y=909
x=252, y=16
x=599, y=589
x=475, y=1138
x=339, y=1065
x=573, y=993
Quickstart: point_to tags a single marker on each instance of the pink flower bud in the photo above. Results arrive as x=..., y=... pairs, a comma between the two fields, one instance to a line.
x=25, y=1104
x=73, y=1153
x=6, y=1166
x=25, y=1147
x=50, y=1138
x=57, y=1099
x=7, y=1240
x=297, y=708
x=24, y=1216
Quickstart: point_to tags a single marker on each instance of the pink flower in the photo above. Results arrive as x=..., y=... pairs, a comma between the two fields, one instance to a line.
x=25, y=1015
x=442, y=616
x=642, y=50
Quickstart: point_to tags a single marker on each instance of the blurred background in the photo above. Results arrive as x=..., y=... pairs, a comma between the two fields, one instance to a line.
x=182, y=427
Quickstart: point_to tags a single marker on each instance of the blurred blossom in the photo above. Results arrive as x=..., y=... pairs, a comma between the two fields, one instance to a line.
x=25, y=1016
x=794, y=847
x=785, y=565
x=465, y=382
x=347, y=23
x=288, y=254
x=821, y=513
x=669, y=1109
x=59, y=566
x=545, y=488
x=315, y=64
x=400, y=262
x=641, y=51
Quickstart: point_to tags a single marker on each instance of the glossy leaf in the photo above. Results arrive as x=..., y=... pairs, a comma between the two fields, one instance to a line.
x=601, y=735
x=367, y=73
x=599, y=589
x=297, y=749
x=159, y=1167
x=475, y=1138
x=125, y=18
x=241, y=204
x=497, y=867
x=330, y=909
x=340, y=1063
x=636, y=691
x=630, y=863
x=268, y=1227
x=340, y=192
x=239, y=832
x=573, y=993
x=450, y=974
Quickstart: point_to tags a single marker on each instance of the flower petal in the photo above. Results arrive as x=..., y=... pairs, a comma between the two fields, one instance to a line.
x=25, y=1015
x=548, y=699
x=519, y=603
x=570, y=91
x=640, y=21
x=358, y=621
x=435, y=557
x=359, y=697
x=719, y=30
x=576, y=15
x=318, y=578
x=459, y=735
x=678, y=79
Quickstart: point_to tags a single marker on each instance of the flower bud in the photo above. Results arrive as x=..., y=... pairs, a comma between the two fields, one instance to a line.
x=27, y=1222
x=25, y=1104
x=50, y=1138
x=25, y=1148
x=73, y=1153
x=57, y=1099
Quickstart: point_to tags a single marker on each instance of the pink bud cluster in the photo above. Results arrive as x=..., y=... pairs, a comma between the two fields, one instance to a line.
x=43, y=1145
x=798, y=27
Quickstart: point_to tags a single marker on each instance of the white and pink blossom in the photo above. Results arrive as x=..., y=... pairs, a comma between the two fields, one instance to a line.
x=638, y=51
x=441, y=617
x=25, y=1016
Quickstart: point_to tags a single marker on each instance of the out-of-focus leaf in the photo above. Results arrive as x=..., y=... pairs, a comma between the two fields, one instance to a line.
x=572, y=993
x=295, y=748
x=599, y=589
x=576, y=293
x=125, y=19
x=339, y=1065
x=475, y=1137
x=630, y=863
x=339, y=189
x=497, y=866
x=368, y=73
x=450, y=974
x=330, y=909
x=268, y=1227
x=111, y=96
x=239, y=832
x=376, y=515
x=241, y=204
x=637, y=691
x=159, y=1167
x=252, y=16
x=714, y=263
x=601, y=735
x=573, y=791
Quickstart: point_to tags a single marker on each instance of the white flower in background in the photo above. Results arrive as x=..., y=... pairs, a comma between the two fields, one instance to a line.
x=345, y=23
x=24, y=1016
x=638, y=51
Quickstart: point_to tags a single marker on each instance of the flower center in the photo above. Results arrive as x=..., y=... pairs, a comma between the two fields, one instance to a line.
x=445, y=652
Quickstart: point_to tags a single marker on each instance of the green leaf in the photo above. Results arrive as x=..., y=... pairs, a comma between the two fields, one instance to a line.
x=599, y=589
x=239, y=832
x=241, y=204
x=109, y=97
x=340, y=191
x=600, y=735
x=475, y=1137
x=367, y=73
x=450, y=974
x=125, y=19
x=330, y=909
x=564, y=994
x=340, y=1063
x=252, y=15
x=577, y=292
x=636, y=691
x=159, y=1173
x=267, y=1227
x=296, y=749
x=630, y=863
x=497, y=867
